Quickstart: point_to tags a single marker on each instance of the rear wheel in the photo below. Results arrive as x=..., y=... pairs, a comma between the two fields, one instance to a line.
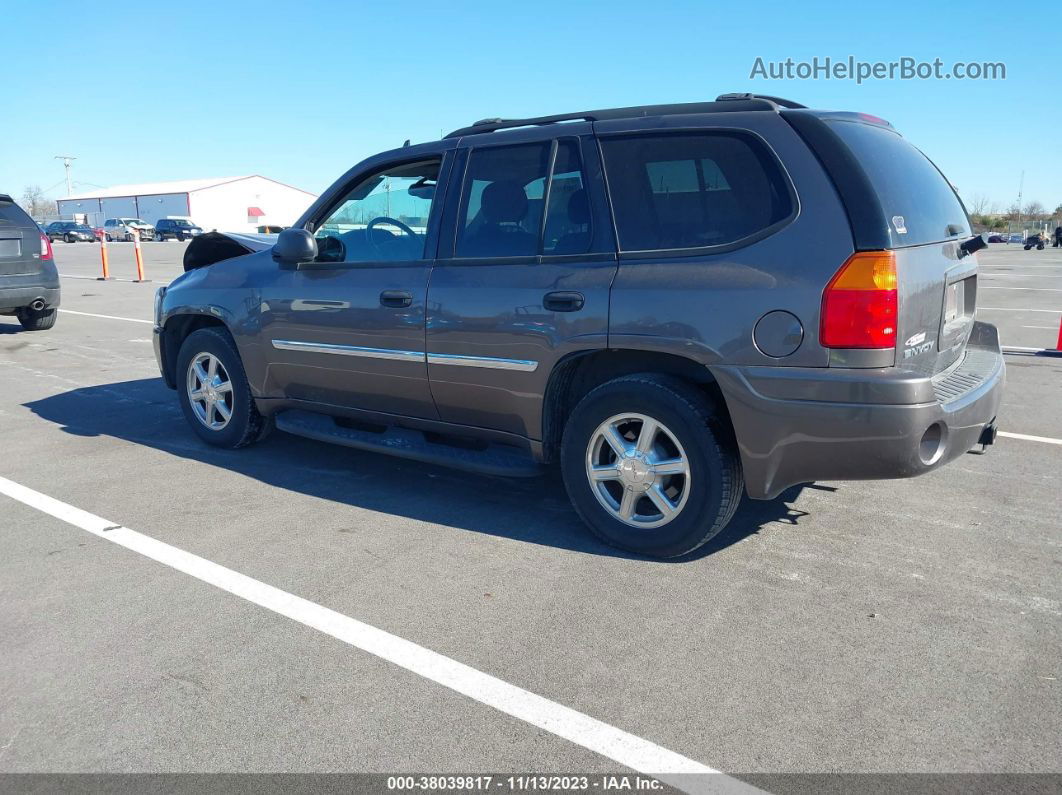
x=109, y=238
x=36, y=319
x=213, y=391
x=70, y=239
x=649, y=466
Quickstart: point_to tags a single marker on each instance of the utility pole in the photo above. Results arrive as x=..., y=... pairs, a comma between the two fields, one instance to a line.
x=66, y=164
x=1021, y=187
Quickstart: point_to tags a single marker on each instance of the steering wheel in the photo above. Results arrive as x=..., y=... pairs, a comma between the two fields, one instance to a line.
x=383, y=219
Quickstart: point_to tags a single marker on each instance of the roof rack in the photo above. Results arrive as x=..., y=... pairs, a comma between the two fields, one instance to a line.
x=725, y=103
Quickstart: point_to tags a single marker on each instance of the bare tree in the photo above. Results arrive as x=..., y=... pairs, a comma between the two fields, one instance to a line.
x=1034, y=211
x=35, y=203
x=979, y=204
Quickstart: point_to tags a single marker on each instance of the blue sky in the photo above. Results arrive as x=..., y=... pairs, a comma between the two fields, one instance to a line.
x=301, y=91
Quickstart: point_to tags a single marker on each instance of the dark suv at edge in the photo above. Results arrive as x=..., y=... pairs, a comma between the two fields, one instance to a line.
x=677, y=304
x=29, y=281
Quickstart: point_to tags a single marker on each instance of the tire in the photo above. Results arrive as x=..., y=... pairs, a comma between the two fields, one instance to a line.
x=108, y=238
x=70, y=239
x=712, y=486
x=1028, y=247
x=245, y=424
x=1040, y=247
x=36, y=320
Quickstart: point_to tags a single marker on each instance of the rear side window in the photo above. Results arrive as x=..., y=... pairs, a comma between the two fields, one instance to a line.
x=13, y=215
x=919, y=204
x=690, y=190
x=502, y=201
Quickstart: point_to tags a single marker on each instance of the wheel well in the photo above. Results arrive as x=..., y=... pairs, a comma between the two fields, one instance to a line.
x=576, y=375
x=174, y=334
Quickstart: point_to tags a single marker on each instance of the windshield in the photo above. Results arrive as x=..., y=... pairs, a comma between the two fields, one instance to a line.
x=920, y=205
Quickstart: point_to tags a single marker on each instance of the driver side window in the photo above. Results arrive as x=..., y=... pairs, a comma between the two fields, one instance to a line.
x=384, y=218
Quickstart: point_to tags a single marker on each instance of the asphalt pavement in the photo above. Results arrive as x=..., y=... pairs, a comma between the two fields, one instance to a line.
x=897, y=626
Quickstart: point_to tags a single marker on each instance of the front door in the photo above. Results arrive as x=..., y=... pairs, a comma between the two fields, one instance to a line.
x=348, y=329
x=525, y=263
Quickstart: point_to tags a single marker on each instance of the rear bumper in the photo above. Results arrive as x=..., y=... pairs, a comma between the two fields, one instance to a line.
x=24, y=295
x=796, y=425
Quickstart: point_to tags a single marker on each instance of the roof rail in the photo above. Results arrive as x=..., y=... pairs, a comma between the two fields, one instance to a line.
x=727, y=103
x=782, y=103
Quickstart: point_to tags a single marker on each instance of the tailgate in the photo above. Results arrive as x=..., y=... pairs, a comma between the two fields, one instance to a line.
x=937, y=299
x=20, y=241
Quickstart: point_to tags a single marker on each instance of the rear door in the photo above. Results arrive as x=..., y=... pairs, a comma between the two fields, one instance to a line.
x=925, y=223
x=526, y=260
x=20, y=241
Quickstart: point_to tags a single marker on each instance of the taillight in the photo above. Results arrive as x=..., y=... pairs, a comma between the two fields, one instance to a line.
x=859, y=306
x=46, y=247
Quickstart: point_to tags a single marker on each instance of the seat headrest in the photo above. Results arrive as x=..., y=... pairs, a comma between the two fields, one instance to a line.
x=504, y=202
x=578, y=207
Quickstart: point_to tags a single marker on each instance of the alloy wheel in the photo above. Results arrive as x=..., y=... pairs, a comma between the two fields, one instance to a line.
x=209, y=391
x=638, y=470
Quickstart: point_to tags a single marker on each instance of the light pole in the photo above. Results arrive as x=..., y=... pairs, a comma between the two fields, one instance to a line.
x=66, y=164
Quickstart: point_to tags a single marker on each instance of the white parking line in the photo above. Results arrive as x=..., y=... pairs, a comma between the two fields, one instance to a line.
x=112, y=278
x=107, y=317
x=1023, y=275
x=1017, y=309
x=613, y=743
x=1038, y=289
x=1028, y=438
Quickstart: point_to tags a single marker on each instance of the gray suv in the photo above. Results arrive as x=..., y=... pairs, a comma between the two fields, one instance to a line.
x=678, y=304
x=29, y=281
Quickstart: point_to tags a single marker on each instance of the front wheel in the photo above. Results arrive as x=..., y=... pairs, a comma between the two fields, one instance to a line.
x=213, y=391
x=650, y=466
x=109, y=238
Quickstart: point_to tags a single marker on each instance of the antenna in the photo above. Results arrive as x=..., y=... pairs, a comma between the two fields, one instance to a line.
x=66, y=164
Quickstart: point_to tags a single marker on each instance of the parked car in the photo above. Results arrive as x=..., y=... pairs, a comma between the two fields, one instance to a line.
x=632, y=295
x=1035, y=240
x=29, y=281
x=997, y=238
x=176, y=229
x=70, y=231
x=127, y=229
x=1016, y=239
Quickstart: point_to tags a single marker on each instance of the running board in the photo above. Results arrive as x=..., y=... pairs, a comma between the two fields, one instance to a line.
x=406, y=443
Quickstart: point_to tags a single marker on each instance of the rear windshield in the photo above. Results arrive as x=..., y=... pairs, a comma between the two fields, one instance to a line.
x=13, y=215
x=920, y=205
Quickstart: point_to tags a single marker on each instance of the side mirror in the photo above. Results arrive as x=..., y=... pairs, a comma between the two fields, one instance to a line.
x=972, y=246
x=295, y=246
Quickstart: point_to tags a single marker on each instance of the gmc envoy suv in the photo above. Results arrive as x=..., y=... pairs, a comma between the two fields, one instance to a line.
x=678, y=304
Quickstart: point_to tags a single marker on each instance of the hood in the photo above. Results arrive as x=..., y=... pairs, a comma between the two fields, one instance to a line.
x=214, y=247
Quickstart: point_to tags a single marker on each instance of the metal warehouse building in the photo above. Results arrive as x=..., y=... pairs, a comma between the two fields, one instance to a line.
x=231, y=204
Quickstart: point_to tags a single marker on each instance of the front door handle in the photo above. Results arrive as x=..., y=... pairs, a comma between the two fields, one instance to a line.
x=396, y=298
x=563, y=302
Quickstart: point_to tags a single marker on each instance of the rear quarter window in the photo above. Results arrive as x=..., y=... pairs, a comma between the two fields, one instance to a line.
x=918, y=203
x=673, y=191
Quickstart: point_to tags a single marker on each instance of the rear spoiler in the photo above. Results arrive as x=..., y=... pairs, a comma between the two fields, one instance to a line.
x=216, y=247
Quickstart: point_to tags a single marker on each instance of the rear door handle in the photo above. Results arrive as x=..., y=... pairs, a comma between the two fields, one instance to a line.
x=396, y=298
x=563, y=302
